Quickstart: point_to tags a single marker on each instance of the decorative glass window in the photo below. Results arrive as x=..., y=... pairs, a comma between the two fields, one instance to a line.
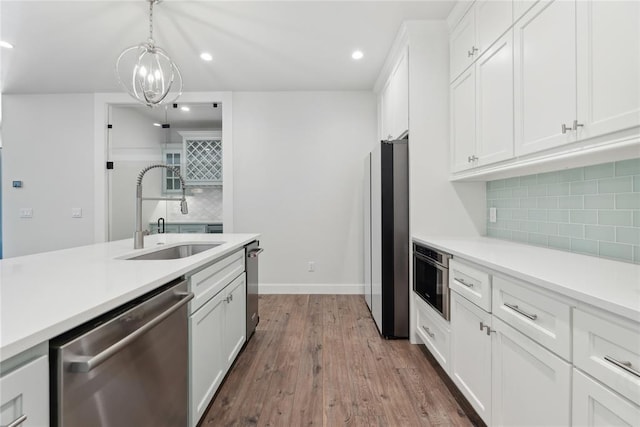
x=171, y=182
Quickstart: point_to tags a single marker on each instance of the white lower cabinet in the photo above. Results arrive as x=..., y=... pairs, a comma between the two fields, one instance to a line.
x=595, y=405
x=434, y=332
x=530, y=385
x=24, y=395
x=217, y=333
x=207, y=358
x=470, y=366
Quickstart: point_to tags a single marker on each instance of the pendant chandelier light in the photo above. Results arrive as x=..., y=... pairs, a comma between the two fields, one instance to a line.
x=147, y=72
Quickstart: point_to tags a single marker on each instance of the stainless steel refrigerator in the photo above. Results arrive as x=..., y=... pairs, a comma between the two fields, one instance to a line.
x=386, y=223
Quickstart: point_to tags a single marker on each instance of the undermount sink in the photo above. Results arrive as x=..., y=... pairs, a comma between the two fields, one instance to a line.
x=175, y=252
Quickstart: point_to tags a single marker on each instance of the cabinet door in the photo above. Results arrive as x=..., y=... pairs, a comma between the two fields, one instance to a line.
x=401, y=96
x=386, y=111
x=471, y=354
x=608, y=66
x=463, y=121
x=208, y=361
x=493, y=18
x=594, y=405
x=24, y=395
x=235, y=318
x=461, y=44
x=545, y=76
x=524, y=372
x=494, y=102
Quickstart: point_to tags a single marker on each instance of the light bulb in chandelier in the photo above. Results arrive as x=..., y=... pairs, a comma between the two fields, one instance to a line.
x=147, y=72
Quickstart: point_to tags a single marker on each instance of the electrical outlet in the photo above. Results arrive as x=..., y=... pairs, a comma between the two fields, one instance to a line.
x=76, y=212
x=492, y=215
x=26, y=212
x=312, y=266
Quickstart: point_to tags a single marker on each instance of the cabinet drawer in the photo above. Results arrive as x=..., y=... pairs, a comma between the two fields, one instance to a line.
x=433, y=331
x=207, y=282
x=596, y=405
x=541, y=317
x=24, y=393
x=471, y=283
x=609, y=351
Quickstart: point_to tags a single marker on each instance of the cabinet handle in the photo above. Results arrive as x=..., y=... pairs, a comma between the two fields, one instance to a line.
x=431, y=334
x=627, y=366
x=468, y=285
x=566, y=129
x=577, y=125
x=18, y=421
x=472, y=52
x=472, y=159
x=520, y=311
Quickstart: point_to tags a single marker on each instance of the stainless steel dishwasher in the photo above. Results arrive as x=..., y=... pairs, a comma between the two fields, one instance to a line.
x=126, y=368
x=252, y=250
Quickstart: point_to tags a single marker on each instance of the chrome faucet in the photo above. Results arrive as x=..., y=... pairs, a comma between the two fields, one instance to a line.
x=138, y=235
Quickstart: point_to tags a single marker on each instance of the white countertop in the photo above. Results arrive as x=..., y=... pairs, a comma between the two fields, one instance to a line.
x=46, y=294
x=609, y=285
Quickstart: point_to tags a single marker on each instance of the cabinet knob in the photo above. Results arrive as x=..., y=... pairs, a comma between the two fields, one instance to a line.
x=577, y=125
x=566, y=129
x=472, y=52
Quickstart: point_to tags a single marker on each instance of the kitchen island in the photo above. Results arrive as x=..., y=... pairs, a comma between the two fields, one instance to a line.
x=45, y=295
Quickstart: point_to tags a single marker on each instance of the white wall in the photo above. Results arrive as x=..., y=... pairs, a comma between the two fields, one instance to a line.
x=47, y=144
x=298, y=176
x=438, y=207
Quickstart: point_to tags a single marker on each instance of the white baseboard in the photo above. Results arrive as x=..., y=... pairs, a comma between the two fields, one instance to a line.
x=311, y=288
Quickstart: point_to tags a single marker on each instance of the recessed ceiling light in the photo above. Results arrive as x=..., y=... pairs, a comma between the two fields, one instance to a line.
x=185, y=108
x=206, y=56
x=357, y=54
x=6, y=44
x=157, y=124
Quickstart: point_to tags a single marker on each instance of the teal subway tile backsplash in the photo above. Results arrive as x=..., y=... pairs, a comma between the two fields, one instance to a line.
x=593, y=210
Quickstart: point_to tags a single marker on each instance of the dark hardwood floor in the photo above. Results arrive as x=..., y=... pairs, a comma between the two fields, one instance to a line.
x=318, y=360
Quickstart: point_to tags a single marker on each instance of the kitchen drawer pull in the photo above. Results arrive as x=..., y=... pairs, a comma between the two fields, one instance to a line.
x=468, y=285
x=627, y=366
x=87, y=363
x=520, y=311
x=431, y=334
x=18, y=421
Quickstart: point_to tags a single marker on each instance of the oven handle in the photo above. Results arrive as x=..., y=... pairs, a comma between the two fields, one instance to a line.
x=430, y=262
x=87, y=363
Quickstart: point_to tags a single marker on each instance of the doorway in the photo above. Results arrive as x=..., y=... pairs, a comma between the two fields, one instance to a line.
x=185, y=135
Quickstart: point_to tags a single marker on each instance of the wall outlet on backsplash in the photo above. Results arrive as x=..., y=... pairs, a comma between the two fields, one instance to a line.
x=593, y=210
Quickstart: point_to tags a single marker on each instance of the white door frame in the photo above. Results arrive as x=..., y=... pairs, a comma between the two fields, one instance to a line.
x=102, y=101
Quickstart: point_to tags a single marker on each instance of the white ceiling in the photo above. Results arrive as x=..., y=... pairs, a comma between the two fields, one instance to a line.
x=72, y=46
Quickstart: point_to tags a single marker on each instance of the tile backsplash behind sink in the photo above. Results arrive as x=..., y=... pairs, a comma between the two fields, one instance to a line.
x=592, y=210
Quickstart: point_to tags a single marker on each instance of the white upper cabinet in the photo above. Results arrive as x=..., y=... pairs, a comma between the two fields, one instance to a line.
x=482, y=109
x=463, y=118
x=576, y=72
x=461, y=44
x=608, y=66
x=479, y=28
x=545, y=76
x=394, y=100
x=494, y=102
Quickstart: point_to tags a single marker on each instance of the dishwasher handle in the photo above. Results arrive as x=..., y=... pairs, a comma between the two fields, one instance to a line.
x=254, y=253
x=87, y=363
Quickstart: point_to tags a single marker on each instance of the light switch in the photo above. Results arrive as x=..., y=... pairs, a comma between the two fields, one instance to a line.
x=26, y=212
x=492, y=214
x=76, y=212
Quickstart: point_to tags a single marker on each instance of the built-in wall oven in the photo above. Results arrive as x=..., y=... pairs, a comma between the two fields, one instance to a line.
x=431, y=277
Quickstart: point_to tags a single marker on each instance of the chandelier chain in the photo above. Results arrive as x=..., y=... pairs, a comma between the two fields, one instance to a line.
x=151, y=2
